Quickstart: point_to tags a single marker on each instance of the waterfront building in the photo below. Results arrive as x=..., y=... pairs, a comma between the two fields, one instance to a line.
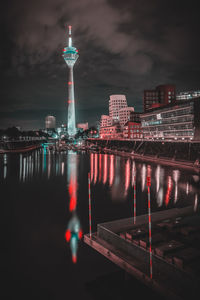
x=176, y=121
x=50, y=122
x=83, y=126
x=105, y=121
x=116, y=102
x=132, y=130
x=70, y=55
x=124, y=115
x=187, y=95
x=111, y=126
x=162, y=95
x=110, y=132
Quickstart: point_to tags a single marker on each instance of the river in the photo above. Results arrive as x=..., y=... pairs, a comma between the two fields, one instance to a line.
x=45, y=212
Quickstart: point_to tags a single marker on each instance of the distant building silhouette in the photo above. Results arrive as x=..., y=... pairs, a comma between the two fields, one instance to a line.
x=50, y=122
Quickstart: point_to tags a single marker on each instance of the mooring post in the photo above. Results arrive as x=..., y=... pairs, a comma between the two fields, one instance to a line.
x=89, y=196
x=149, y=215
x=134, y=204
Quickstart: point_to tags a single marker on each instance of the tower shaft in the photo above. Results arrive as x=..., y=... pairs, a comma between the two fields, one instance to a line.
x=70, y=55
x=71, y=124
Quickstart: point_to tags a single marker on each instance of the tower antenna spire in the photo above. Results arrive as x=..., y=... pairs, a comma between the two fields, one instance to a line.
x=70, y=36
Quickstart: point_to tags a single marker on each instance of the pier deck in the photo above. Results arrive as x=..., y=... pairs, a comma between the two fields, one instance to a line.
x=175, y=250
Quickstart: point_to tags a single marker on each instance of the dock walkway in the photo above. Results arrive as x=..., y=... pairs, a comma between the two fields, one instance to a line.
x=175, y=250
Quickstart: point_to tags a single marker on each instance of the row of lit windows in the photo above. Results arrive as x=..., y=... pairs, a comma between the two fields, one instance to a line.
x=177, y=113
x=180, y=133
x=169, y=114
x=172, y=127
x=134, y=130
x=135, y=136
x=173, y=121
x=169, y=134
x=153, y=93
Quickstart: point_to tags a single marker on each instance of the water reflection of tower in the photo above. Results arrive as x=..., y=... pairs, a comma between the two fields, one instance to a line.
x=73, y=232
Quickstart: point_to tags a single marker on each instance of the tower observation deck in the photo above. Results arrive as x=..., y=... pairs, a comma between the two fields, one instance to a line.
x=70, y=55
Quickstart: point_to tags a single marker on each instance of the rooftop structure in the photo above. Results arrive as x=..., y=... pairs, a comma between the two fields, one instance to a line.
x=187, y=95
x=162, y=95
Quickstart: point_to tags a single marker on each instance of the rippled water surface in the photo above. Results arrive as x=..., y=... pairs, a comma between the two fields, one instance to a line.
x=44, y=214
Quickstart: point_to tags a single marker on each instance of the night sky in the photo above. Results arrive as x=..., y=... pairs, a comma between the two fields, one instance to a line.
x=125, y=47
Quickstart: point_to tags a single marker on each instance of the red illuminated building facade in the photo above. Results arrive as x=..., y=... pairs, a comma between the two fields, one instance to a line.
x=132, y=130
x=162, y=95
x=110, y=132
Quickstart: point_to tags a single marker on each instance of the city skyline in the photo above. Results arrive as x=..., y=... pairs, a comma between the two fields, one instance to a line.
x=125, y=48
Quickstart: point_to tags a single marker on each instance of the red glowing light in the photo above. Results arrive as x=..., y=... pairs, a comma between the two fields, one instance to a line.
x=72, y=204
x=80, y=234
x=105, y=168
x=72, y=194
x=100, y=158
x=169, y=189
x=95, y=167
x=92, y=166
x=127, y=175
x=67, y=235
x=69, y=101
x=111, y=177
x=70, y=82
x=148, y=181
x=74, y=258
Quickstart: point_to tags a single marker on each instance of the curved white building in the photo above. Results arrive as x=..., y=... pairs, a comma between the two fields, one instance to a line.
x=116, y=102
x=124, y=115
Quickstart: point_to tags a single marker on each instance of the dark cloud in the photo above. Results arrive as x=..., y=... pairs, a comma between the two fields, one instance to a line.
x=125, y=47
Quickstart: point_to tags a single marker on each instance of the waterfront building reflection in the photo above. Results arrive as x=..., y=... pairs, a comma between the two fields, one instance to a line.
x=112, y=170
x=167, y=189
x=127, y=176
x=110, y=173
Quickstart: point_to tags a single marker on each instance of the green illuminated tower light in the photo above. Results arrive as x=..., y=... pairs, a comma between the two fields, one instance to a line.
x=70, y=55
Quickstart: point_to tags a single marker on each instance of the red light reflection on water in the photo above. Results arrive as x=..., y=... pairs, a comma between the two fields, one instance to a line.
x=95, y=167
x=112, y=170
x=105, y=168
x=169, y=190
x=67, y=235
x=100, y=162
x=127, y=175
x=92, y=166
x=72, y=194
x=74, y=258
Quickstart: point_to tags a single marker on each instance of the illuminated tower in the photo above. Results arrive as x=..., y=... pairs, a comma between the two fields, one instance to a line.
x=70, y=55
